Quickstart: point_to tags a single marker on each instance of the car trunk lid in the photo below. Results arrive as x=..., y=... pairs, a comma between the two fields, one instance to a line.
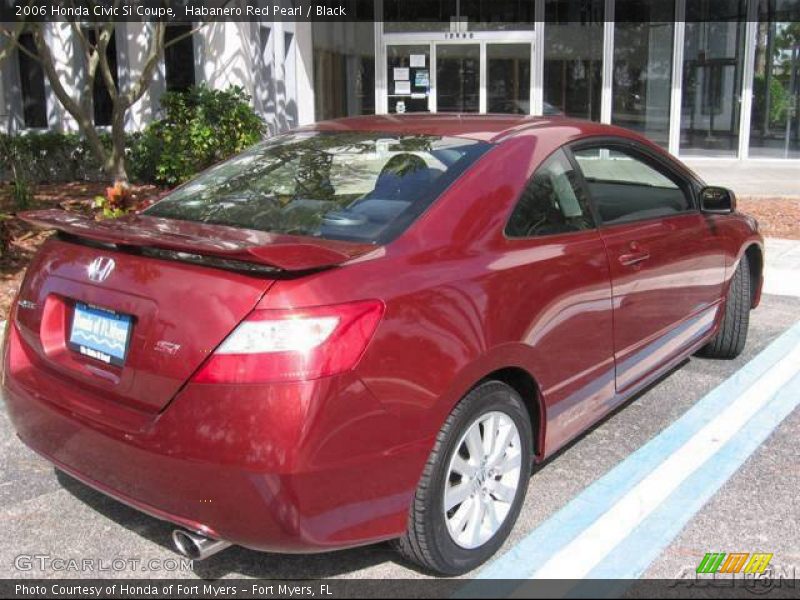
x=179, y=310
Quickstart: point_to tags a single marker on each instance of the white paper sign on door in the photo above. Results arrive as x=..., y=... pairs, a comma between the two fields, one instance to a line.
x=417, y=60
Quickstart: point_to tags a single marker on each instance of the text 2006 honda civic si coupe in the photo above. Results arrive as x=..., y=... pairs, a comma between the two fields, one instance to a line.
x=369, y=329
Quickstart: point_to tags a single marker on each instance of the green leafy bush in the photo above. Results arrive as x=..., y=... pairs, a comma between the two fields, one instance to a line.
x=47, y=157
x=200, y=127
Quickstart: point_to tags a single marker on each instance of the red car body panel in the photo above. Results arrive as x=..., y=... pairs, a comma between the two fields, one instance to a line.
x=334, y=462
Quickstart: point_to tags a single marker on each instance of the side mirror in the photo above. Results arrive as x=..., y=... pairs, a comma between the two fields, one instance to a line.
x=717, y=200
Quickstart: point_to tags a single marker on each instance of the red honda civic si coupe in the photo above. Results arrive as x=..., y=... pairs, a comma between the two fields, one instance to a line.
x=368, y=329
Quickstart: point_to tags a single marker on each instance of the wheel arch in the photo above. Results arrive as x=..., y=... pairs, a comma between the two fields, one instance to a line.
x=754, y=255
x=524, y=383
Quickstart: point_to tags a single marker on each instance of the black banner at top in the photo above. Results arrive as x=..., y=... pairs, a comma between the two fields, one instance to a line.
x=499, y=14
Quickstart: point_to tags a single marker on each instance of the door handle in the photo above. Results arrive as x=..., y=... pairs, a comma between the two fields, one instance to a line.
x=634, y=258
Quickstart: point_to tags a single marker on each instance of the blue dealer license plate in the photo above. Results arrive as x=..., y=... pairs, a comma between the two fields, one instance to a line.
x=100, y=333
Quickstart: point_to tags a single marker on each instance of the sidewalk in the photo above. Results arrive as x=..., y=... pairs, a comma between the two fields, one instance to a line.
x=775, y=178
x=782, y=269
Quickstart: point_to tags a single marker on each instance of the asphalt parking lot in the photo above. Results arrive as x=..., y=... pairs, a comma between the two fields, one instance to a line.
x=756, y=509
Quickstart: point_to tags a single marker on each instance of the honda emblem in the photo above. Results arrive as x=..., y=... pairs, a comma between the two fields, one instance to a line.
x=100, y=268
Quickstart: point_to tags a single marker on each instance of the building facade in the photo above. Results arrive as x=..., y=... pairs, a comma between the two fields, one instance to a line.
x=711, y=78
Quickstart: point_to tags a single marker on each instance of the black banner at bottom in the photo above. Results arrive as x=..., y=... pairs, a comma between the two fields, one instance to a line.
x=717, y=587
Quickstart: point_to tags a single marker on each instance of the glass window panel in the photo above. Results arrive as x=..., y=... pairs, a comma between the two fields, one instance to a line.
x=624, y=187
x=775, y=118
x=552, y=202
x=430, y=15
x=643, y=67
x=573, y=58
x=344, y=69
x=179, y=58
x=497, y=15
x=31, y=75
x=458, y=77
x=509, y=78
x=363, y=186
x=712, y=77
x=102, y=104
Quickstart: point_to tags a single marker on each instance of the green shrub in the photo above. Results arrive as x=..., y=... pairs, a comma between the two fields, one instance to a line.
x=142, y=151
x=22, y=194
x=200, y=127
x=47, y=157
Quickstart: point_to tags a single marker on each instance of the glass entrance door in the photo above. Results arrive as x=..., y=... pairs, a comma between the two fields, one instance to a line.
x=458, y=77
x=475, y=76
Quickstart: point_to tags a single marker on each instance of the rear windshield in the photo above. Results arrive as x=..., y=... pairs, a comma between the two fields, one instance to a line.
x=355, y=186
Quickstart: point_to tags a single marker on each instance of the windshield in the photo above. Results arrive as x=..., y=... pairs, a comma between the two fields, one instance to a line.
x=356, y=186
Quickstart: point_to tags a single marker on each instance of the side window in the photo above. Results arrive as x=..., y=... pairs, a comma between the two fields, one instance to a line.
x=626, y=188
x=552, y=202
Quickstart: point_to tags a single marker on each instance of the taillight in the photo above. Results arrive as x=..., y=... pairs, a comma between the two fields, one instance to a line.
x=293, y=345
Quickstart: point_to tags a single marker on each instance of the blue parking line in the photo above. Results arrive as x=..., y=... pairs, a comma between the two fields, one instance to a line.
x=522, y=560
x=631, y=558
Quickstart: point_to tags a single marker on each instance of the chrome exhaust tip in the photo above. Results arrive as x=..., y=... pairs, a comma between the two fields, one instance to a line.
x=195, y=545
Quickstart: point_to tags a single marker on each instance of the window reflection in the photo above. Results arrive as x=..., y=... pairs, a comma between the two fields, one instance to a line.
x=643, y=67
x=712, y=77
x=573, y=58
x=775, y=121
x=509, y=78
x=344, y=69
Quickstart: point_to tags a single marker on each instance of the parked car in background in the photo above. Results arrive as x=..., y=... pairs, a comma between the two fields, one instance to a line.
x=369, y=329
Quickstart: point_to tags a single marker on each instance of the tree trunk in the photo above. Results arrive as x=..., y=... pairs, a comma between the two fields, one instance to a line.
x=115, y=164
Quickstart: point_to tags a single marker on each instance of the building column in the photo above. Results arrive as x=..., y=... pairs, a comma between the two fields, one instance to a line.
x=69, y=64
x=6, y=112
x=224, y=57
x=607, y=94
x=748, y=72
x=537, y=60
x=676, y=97
x=132, y=37
x=304, y=72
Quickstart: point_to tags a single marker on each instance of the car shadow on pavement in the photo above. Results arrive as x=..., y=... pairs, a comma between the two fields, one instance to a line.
x=236, y=561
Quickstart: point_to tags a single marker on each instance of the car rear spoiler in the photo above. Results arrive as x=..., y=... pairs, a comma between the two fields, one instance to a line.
x=280, y=252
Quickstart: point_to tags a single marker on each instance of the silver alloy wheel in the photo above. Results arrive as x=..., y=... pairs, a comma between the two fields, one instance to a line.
x=482, y=479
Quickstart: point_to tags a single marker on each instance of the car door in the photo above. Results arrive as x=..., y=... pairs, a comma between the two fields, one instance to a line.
x=666, y=260
x=560, y=295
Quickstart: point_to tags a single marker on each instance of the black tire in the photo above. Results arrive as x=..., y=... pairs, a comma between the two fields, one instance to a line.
x=427, y=541
x=729, y=341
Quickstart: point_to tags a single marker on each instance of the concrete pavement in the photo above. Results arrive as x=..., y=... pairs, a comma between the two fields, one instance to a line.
x=782, y=272
x=750, y=177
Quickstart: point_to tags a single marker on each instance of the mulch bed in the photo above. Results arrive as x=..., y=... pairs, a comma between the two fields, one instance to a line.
x=778, y=217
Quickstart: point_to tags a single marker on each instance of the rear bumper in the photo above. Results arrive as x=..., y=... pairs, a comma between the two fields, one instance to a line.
x=299, y=467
